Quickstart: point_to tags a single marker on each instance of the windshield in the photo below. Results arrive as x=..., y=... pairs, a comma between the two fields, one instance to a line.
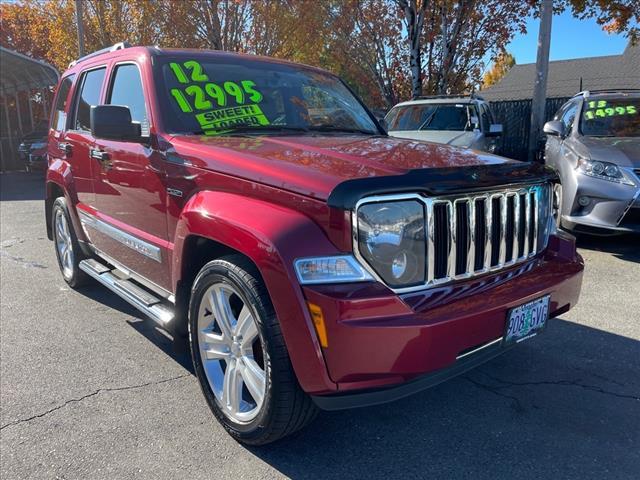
x=433, y=116
x=613, y=117
x=221, y=95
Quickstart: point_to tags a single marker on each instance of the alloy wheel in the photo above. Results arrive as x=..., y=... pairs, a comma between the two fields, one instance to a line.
x=232, y=353
x=64, y=243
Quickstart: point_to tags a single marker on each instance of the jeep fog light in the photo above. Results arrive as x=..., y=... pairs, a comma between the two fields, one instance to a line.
x=338, y=269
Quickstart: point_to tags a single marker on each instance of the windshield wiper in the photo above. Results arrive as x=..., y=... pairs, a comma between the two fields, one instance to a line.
x=330, y=128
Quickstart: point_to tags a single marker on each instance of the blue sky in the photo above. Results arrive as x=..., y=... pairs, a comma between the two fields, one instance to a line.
x=570, y=38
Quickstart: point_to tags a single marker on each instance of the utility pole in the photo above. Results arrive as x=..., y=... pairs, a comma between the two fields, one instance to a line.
x=542, y=70
x=80, y=28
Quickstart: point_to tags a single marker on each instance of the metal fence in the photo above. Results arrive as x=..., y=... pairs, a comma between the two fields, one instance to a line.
x=515, y=117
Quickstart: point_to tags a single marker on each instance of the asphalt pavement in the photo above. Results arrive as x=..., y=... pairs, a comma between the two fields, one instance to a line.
x=91, y=389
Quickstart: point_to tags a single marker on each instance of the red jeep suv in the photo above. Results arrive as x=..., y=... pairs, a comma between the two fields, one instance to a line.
x=257, y=207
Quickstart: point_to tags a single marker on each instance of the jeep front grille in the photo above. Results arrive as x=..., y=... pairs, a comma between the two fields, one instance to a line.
x=473, y=234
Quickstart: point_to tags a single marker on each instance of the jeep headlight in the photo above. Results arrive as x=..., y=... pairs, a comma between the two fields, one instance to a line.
x=391, y=238
x=603, y=170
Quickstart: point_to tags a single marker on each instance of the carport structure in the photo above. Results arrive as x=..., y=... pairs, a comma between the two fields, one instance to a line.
x=25, y=91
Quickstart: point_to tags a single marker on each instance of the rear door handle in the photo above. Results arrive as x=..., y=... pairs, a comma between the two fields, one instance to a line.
x=64, y=147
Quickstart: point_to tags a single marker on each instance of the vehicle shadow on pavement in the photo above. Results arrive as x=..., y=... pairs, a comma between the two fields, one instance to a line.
x=564, y=405
x=16, y=186
x=624, y=247
x=177, y=351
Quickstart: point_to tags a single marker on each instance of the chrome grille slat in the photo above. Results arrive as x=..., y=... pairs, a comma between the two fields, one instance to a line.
x=451, y=245
x=488, y=228
x=502, y=255
x=468, y=235
x=431, y=258
x=527, y=224
x=471, y=255
x=534, y=209
x=515, y=255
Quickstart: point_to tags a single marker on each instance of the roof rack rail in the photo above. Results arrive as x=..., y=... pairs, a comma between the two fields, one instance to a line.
x=586, y=93
x=112, y=48
x=458, y=95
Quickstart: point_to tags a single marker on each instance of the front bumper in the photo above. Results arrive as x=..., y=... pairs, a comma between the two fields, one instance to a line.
x=383, y=346
x=608, y=209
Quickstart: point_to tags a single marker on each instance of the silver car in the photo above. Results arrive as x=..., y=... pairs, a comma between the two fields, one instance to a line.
x=593, y=143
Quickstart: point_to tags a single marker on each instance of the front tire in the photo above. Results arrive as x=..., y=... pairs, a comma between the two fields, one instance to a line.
x=240, y=357
x=68, y=251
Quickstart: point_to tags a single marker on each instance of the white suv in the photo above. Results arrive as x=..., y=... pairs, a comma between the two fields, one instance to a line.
x=459, y=120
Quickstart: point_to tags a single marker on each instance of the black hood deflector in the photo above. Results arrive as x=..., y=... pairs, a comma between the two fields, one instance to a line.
x=441, y=181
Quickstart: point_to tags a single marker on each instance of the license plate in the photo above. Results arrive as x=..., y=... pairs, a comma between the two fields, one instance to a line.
x=526, y=320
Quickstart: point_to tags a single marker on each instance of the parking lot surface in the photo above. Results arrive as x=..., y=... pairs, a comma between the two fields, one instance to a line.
x=91, y=389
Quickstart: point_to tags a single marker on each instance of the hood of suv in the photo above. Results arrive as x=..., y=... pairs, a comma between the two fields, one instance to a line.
x=624, y=152
x=313, y=165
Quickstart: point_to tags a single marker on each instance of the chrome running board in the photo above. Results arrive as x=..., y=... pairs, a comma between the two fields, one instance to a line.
x=142, y=299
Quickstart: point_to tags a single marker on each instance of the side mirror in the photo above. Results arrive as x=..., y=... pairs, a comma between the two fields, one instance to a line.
x=383, y=123
x=113, y=122
x=495, y=130
x=554, y=128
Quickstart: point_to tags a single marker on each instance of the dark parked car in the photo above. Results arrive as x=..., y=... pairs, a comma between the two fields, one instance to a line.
x=257, y=207
x=33, y=147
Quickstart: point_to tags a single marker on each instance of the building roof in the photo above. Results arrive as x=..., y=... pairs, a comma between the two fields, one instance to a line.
x=20, y=72
x=612, y=71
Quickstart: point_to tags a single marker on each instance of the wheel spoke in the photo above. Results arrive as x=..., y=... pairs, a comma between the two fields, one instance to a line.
x=232, y=388
x=214, y=346
x=246, y=327
x=60, y=228
x=254, y=378
x=222, y=311
x=65, y=226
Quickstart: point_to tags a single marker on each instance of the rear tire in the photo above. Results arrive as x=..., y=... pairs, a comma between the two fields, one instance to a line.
x=236, y=341
x=68, y=251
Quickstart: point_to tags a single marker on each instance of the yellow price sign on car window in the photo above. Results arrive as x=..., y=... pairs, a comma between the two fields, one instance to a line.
x=195, y=93
x=608, y=111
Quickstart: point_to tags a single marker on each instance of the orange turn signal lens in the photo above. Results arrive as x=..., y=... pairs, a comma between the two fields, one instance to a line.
x=318, y=323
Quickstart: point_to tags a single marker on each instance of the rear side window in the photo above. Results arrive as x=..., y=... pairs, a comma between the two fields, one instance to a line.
x=59, y=118
x=90, y=86
x=127, y=91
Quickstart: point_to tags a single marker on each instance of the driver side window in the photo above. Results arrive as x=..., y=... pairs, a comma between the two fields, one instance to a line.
x=569, y=116
x=127, y=91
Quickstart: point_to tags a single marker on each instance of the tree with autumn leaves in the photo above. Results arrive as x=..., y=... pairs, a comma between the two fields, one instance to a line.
x=501, y=65
x=387, y=50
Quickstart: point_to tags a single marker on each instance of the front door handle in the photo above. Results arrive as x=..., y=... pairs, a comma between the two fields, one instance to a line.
x=99, y=155
x=64, y=147
x=102, y=157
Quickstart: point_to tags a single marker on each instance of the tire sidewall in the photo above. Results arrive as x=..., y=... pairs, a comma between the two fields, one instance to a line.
x=218, y=271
